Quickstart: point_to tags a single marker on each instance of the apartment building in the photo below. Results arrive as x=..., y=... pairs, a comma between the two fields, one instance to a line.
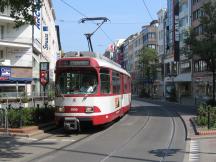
x=183, y=79
x=159, y=83
x=171, y=57
x=22, y=50
x=202, y=78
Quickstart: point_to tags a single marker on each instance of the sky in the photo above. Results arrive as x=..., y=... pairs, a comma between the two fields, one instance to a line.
x=126, y=17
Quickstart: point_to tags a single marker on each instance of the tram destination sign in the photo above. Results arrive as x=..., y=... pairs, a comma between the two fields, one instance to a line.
x=68, y=63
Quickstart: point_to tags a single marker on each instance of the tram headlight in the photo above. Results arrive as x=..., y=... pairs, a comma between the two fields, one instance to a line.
x=60, y=109
x=89, y=109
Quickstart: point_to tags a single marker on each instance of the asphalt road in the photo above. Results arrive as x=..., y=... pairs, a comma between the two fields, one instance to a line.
x=149, y=132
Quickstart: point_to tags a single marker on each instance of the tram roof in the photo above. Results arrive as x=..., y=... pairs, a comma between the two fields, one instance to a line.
x=104, y=62
x=101, y=60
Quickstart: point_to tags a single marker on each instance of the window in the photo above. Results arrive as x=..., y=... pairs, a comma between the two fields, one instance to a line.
x=152, y=35
x=195, y=1
x=126, y=87
x=77, y=82
x=1, y=54
x=185, y=67
x=153, y=46
x=197, y=14
x=1, y=32
x=105, y=81
x=116, y=82
x=200, y=66
x=199, y=30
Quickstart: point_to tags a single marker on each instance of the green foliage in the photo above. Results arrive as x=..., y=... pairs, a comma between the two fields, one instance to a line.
x=202, y=116
x=148, y=63
x=144, y=93
x=24, y=98
x=30, y=116
x=21, y=10
x=51, y=95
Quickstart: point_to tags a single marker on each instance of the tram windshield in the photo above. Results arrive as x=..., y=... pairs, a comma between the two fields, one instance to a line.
x=77, y=82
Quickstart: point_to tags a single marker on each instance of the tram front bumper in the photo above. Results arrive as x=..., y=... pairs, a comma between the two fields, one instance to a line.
x=71, y=123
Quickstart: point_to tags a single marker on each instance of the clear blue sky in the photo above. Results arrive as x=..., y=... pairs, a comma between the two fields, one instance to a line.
x=126, y=18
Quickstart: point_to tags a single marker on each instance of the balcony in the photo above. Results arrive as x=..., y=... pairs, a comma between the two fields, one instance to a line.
x=5, y=16
x=5, y=43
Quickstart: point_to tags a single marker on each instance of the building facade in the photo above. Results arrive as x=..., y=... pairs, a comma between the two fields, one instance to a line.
x=22, y=50
x=202, y=78
x=183, y=80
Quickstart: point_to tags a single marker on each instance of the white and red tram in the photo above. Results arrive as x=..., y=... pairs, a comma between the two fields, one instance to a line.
x=109, y=98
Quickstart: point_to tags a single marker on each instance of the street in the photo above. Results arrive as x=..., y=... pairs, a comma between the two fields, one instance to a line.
x=149, y=132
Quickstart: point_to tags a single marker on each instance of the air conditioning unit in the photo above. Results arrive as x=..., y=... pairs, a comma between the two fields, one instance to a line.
x=5, y=62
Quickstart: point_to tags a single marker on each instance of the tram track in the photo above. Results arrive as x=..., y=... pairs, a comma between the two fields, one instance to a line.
x=172, y=135
x=121, y=147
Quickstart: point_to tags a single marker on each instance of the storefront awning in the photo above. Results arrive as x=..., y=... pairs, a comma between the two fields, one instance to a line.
x=183, y=78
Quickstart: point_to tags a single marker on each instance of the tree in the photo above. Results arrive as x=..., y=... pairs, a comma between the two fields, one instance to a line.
x=204, y=46
x=147, y=65
x=21, y=10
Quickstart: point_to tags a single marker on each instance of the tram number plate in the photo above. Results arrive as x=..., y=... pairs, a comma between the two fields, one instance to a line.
x=70, y=118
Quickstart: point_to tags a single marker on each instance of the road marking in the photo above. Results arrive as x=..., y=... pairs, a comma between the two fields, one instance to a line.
x=49, y=140
x=194, y=151
x=68, y=140
x=26, y=139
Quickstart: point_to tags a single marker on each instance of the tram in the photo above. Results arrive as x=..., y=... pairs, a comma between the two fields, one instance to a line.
x=90, y=88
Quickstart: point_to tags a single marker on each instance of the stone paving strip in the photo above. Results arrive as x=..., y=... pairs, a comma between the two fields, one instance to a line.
x=26, y=139
x=194, y=151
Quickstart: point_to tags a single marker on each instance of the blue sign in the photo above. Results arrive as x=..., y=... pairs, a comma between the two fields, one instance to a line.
x=5, y=71
x=46, y=39
x=45, y=28
x=38, y=19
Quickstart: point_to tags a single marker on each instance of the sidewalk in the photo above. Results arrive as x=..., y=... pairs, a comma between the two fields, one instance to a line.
x=205, y=150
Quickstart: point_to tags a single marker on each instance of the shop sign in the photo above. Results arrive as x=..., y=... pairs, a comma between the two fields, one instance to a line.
x=5, y=73
x=44, y=73
x=46, y=38
x=37, y=19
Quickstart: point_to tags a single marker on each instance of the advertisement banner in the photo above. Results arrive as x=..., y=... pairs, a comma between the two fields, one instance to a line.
x=37, y=30
x=44, y=73
x=45, y=38
x=5, y=73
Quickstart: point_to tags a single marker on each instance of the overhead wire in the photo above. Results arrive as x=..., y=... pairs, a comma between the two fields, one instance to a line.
x=82, y=14
x=147, y=9
x=111, y=23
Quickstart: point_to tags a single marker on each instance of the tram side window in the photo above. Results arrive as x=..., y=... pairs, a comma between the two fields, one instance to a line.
x=126, y=84
x=105, y=81
x=116, y=82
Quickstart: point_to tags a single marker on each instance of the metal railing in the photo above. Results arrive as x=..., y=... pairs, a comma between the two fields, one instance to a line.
x=10, y=95
x=4, y=120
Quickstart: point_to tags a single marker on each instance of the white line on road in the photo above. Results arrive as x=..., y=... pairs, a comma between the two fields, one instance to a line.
x=49, y=140
x=194, y=151
x=68, y=140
